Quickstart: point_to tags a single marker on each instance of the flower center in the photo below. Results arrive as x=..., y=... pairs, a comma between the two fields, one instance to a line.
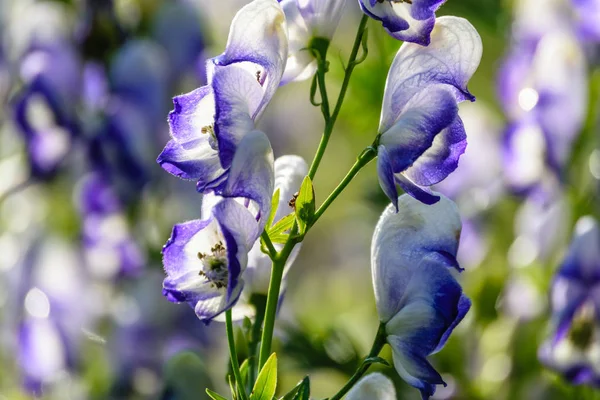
x=214, y=266
x=212, y=138
x=582, y=329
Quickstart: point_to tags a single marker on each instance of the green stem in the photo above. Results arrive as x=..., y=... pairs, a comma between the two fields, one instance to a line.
x=260, y=302
x=273, y=298
x=378, y=343
x=330, y=122
x=366, y=157
x=233, y=355
x=267, y=241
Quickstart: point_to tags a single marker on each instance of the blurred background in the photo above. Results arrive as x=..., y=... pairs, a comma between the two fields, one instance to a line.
x=85, y=88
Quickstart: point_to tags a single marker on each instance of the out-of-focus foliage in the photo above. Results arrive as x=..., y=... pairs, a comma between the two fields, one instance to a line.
x=81, y=310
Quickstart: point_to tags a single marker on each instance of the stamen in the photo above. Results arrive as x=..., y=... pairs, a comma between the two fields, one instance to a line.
x=258, y=76
x=214, y=266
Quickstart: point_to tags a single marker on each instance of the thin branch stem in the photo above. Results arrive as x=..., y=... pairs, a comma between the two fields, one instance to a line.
x=233, y=355
x=260, y=302
x=273, y=297
x=378, y=343
x=330, y=122
x=366, y=157
x=267, y=241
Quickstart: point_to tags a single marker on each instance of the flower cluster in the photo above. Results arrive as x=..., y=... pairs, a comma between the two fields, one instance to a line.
x=213, y=262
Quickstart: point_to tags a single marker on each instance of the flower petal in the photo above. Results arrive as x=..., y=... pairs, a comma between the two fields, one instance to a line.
x=374, y=386
x=441, y=158
x=424, y=195
x=193, y=160
x=386, y=176
x=237, y=96
x=451, y=58
x=432, y=305
x=400, y=242
x=192, y=112
x=179, y=257
x=240, y=230
x=290, y=171
x=258, y=35
x=409, y=22
x=300, y=64
x=425, y=116
x=251, y=174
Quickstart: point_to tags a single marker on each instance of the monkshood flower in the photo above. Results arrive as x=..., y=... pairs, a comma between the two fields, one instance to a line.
x=108, y=245
x=205, y=259
x=44, y=110
x=208, y=123
x=573, y=349
x=306, y=20
x=406, y=20
x=422, y=136
x=373, y=387
x=417, y=298
x=58, y=308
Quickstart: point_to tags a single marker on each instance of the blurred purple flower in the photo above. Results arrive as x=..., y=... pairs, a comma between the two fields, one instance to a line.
x=178, y=28
x=587, y=19
x=44, y=109
x=417, y=298
x=573, y=349
x=422, y=136
x=542, y=86
x=58, y=308
x=409, y=21
x=108, y=245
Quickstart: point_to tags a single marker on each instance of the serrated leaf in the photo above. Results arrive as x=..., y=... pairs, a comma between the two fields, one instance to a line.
x=305, y=204
x=300, y=392
x=377, y=360
x=283, y=225
x=266, y=383
x=214, y=395
x=274, y=206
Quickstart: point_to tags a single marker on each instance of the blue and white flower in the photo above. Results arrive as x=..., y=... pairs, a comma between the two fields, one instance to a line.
x=406, y=20
x=412, y=254
x=422, y=136
x=205, y=259
x=574, y=346
x=306, y=20
x=208, y=123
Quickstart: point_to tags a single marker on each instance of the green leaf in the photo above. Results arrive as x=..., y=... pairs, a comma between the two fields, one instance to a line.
x=300, y=392
x=279, y=229
x=377, y=360
x=214, y=395
x=266, y=383
x=274, y=206
x=305, y=204
x=244, y=368
x=232, y=387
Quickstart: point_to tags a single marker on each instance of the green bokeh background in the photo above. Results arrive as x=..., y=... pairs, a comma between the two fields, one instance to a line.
x=328, y=319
